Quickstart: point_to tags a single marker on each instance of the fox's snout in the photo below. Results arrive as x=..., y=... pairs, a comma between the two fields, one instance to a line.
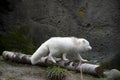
x=89, y=48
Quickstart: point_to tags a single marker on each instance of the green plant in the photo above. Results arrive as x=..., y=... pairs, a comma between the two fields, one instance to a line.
x=56, y=73
x=19, y=39
x=113, y=63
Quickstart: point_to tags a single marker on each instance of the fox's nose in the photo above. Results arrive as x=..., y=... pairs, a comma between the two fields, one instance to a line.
x=90, y=48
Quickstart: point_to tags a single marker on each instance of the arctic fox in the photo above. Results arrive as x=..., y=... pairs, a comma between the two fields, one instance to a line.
x=61, y=45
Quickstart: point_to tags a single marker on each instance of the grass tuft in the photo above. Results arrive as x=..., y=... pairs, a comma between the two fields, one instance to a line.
x=56, y=73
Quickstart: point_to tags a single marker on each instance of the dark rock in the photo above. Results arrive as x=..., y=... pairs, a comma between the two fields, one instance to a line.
x=0, y=73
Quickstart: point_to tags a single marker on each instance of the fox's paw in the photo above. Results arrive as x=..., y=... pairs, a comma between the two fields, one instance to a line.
x=65, y=59
x=84, y=60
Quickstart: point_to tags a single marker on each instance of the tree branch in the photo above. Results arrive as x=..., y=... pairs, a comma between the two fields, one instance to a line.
x=77, y=66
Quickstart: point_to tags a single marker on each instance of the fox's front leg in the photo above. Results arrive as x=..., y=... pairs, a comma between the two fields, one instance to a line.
x=81, y=59
x=64, y=56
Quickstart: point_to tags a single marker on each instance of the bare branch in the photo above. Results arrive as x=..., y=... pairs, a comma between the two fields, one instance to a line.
x=76, y=66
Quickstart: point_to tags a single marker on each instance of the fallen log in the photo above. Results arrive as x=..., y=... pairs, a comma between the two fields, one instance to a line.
x=77, y=66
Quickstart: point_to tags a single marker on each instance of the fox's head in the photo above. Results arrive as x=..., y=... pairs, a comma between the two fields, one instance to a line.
x=84, y=45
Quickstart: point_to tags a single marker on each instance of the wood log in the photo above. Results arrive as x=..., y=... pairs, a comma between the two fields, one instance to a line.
x=77, y=66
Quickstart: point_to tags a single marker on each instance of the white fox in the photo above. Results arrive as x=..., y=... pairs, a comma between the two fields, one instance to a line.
x=61, y=45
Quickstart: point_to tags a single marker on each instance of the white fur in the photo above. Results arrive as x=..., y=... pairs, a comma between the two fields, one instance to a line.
x=61, y=45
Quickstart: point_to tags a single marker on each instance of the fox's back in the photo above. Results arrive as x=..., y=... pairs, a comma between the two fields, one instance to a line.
x=61, y=43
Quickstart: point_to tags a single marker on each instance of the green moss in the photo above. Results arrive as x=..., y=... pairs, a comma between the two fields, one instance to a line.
x=81, y=13
x=1, y=61
x=11, y=78
x=76, y=60
x=56, y=73
x=18, y=40
x=103, y=79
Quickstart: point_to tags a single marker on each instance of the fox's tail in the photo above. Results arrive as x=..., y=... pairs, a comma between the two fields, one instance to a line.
x=40, y=52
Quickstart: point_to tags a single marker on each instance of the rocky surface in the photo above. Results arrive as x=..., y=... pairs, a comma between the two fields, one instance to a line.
x=113, y=74
x=16, y=71
x=97, y=21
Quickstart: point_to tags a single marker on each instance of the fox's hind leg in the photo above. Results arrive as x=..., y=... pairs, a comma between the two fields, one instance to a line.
x=50, y=57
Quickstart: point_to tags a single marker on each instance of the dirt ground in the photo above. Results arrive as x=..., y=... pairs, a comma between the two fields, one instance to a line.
x=17, y=71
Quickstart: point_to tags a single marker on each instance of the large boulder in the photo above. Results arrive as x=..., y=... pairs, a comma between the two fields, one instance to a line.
x=113, y=74
x=97, y=21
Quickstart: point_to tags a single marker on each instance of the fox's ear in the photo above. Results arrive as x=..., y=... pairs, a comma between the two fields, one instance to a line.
x=83, y=41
